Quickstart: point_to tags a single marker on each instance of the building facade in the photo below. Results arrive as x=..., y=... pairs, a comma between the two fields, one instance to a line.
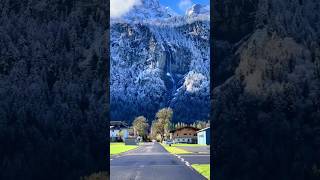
x=118, y=131
x=204, y=136
x=184, y=135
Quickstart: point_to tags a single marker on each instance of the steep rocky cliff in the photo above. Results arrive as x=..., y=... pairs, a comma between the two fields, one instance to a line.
x=159, y=60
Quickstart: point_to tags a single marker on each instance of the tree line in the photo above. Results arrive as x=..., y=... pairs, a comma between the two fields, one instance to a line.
x=162, y=125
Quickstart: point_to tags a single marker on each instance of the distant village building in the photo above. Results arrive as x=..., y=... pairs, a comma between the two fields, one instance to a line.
x=204, y=136
x=184, y=135
x=118, y=131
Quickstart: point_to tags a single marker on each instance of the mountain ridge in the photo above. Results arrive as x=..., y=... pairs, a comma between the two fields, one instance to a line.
x=151, y=10
x=170, y=56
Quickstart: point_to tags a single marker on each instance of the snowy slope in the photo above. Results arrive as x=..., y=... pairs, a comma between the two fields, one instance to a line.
x=198, y=9
x=148, y=9
x=159, y=59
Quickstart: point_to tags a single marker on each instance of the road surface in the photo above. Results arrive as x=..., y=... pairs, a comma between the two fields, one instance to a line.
x=196, y=158
x=150, y=162
x=197, y=149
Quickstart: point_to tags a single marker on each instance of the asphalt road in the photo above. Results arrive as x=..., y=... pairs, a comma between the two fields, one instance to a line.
x=197, y=149
x=150, y=162
x=196, y=158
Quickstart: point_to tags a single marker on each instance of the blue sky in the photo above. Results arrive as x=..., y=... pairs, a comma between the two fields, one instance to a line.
x=180, y=6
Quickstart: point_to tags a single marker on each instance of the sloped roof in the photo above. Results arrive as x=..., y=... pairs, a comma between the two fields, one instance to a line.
x=203, y=129
x=118, y=124
x=187, y=127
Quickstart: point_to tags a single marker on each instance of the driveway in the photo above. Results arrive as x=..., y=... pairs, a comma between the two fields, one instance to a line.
x=197, y=149
x=150, y=161
x=196, y=158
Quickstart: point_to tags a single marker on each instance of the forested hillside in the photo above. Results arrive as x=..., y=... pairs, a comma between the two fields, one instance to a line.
x=53, y=88
x=266, y=92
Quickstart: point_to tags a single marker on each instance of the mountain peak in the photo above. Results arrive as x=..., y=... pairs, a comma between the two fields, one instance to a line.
x=197, y=9
x=150, y=3
x=149, y=9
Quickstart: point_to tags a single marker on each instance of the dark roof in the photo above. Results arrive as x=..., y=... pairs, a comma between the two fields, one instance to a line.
x=187, y=127
x=118, y=124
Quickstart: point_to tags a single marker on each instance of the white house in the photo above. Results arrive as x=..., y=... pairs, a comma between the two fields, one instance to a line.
x=118, y=131
x=184, y=135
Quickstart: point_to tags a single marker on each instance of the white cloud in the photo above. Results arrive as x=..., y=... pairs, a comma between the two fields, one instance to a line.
x=185, y=4
x=120, y=7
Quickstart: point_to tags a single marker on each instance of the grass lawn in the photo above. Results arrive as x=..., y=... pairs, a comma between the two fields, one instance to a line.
x=175, y=150
x=203, y=169
x=186, y=145
x=117, y=148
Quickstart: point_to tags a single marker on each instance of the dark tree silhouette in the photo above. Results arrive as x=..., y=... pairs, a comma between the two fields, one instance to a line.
x=266, y=90
x=53, y=88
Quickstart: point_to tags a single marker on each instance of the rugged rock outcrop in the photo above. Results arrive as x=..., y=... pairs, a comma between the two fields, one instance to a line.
x=197, y=9
x=159, y=61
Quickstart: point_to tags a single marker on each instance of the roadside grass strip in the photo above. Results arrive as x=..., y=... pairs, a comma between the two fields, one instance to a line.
x=117, y=148
x=175, y=150
x=203, y=169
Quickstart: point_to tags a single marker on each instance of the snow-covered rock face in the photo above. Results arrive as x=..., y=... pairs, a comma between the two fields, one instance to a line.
x=159, y=64
x=148, y=9
x=197, y=9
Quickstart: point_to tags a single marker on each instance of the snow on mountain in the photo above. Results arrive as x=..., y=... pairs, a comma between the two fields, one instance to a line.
x=197, y=9
x=159, y=62
x=149, y=9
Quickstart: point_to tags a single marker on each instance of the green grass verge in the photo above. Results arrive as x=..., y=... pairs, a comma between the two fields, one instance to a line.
x=175, y=150
x=203, y=169
x=117, y=148
x=187, y=145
